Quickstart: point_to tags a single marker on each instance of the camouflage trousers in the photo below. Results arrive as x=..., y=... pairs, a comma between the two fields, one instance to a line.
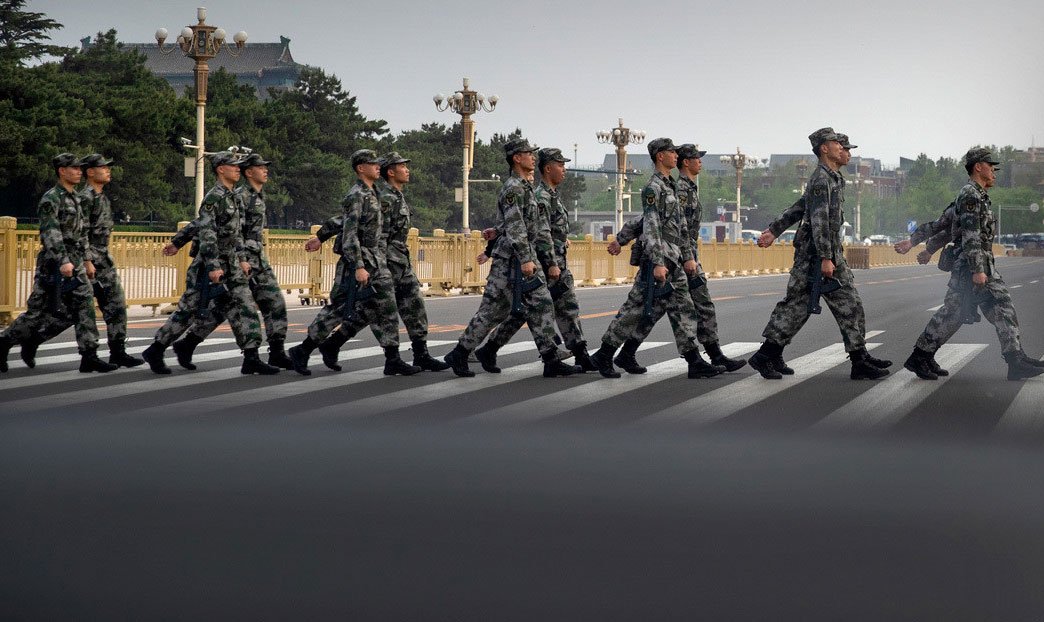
x=410, y=302
x=630, y=320
x=108, y=291
x=791, y=313
x=706, y=318
x=240, y=309
x=380, y=310
x=495, y=308
x=995, y=303
x=567, y=317
x=75, y=309
x=264, y=287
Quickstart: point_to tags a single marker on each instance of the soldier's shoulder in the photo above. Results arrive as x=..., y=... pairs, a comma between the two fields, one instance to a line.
x=968, y=198
x=512, y=190
x=53, y=195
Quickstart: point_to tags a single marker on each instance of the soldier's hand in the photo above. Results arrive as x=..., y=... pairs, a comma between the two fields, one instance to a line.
x=482, y=258
x=245, y=266
x=66, y=269
x=660, y=273
x=554, y=272
x=613, y=248
x=689, y=267
x=489, y=234
x=568, y=243
x=169, y=250
x=924, y=257
x=827, y=267
x=88, y=266
x=528, y=269
x=313, y=245
x=979, y=279
x=361, y=275
x=215, y=275
x=766, y=239
x=904, y=247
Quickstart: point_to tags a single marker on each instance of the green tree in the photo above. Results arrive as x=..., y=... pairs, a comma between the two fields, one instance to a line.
x=23, y=34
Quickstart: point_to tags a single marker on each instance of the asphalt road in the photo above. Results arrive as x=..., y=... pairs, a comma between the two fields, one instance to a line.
x=209, y=495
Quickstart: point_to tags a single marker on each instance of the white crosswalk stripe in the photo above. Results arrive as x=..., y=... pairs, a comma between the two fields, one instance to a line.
x=891, y=399
x=569, y=398
x=1026, y=411
x=934, y=309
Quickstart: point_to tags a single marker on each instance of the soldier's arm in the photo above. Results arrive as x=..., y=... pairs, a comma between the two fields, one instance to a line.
x=544, y=244
x=351, y=249
x=817, y=202
x=242, y=251
x=937, y=241
x=185, y=234
x=96, y=230
x=253, y=236
x=207, y=236
x=514, y=224
x=51, y=232
x=930, y=229
x=330, y=228
x=788, y=218
x=631, y=230
x=651, y=235
x=970, y=241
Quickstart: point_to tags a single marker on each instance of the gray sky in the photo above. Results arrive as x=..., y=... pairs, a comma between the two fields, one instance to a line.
x=899, y=77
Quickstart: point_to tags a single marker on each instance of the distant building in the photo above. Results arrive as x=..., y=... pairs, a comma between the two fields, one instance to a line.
x=262, y=66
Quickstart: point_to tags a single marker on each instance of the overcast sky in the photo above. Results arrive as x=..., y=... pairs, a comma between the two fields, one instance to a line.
x=900, y=78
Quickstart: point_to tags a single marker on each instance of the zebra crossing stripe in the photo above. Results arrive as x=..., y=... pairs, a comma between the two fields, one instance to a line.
x=1024, y=414
x=569, y=398
x=891, y=399
x=71, y=345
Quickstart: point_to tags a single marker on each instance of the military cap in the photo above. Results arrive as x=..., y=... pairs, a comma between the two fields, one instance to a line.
x=222, y=158
x=65, y=159
x=689, y=151
x=822, y=135
x=253, y=159
x=364, y=156
x=94, y=160
x=843, y=139
x=979, y=154
x=518, y=145
x=391, y=159
x=657, y=145
x=550, y=154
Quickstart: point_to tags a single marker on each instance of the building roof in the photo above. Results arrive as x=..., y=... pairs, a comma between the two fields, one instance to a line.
x=255, y=58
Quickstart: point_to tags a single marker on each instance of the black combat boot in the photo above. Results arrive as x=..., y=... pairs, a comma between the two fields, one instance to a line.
x=582, y=358
x=920, y=363
x=153, y=355
x=1019, y=368
x=423, y=359
x=764, y=361
x=718, y=357
x=395, y=366
x=89, y=362
x=781, y=365
x=458, y=360
x=183, y=349
x=554, y=367
x=486, y=355
x=936, y=369
x=277, y=356
x=603, y=360
x=118, y=355
x=876, y=362
x=626, y=358
x=29, y=348
x=699, y=368
x=5, y=348
x=862, y=369
x=252, y=364
x=330, y=348
x=299, y=356
x=1029, y=360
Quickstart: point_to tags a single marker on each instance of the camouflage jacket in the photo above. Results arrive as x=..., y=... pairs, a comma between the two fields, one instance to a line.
x=98, y=211
x=552, y=210
x=974, y=228
x=395, y=228
x=220, y=230
x=523, y=233
x=63, y=232
x=820, y=232
x=689, y=199
x=254, y=221
x=930, y=230
x=789, y=217
x=632, y=230
x=665, y=234
x=362, y=242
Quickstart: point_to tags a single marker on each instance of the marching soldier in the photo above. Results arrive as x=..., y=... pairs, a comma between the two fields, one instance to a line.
x=668, y=254
x=363, y=260
x=975, y=274
x=689, y=165
x=551, y=164
x=819, y=240
x=218, y=272
x=61, y=295
x=264, y=286
x=525, y=240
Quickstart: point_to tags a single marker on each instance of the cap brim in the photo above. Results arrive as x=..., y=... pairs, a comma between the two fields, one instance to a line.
x=850, y=146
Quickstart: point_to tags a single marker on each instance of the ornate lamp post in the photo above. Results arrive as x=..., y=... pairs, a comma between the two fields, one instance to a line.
x=201, y=43
x=620, y=136
x=739, y=161
x=466, y=102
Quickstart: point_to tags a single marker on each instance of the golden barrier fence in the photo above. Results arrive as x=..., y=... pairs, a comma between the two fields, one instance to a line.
x=445, y=263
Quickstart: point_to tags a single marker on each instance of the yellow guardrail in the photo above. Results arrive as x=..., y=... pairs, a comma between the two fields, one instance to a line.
x=445, y=263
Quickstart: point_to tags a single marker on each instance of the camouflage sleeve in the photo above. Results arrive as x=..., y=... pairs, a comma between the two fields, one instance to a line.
x=545, y=244
x=939, y=240
x=51, y=231
x=930, y=229
x=687, y=248
x=96, y=233
x=253, y=231
x=330, y=228
x=630, y=231
x=651, y=236
x=970, y=209
x=788, y=218
x=242, y=253
x=817, y=201
x=185, y=234
x=515, y=224
x=207, y=235
x=351, y=249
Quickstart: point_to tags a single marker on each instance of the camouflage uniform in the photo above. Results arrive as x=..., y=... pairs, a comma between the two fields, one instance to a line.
x=107, y=287
x=567, y=309
x=220, y=246
x=395, y=216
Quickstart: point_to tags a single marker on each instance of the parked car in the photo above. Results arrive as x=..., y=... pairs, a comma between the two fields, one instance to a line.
x=877, y=239
x=750, y=235
x=1030, y=241
x=787, y=236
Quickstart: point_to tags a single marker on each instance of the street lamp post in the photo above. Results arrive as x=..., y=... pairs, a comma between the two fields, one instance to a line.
x=620, y=136
x=859, y=181
x=739, y=161
x=1032, y=207
x=201, y=43
x=466, y=102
